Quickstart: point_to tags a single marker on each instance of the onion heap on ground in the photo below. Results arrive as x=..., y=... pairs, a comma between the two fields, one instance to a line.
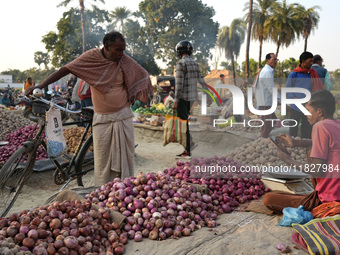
x=16, y=139
x=157, y=206
x=262, y=151
x=67, y=228
x=9, y=122
x=227, y=189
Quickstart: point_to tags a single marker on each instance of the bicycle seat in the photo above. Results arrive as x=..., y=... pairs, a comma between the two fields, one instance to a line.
x=88, y=110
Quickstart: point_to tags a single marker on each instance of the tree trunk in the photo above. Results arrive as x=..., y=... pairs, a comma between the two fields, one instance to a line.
x=250, y=15
x=260, y=54
x=233, y=66
x=82, y=16
x=306, y=38
x=277, y=48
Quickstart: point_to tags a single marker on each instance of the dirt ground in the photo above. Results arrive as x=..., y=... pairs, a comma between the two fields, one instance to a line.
x=238, y=232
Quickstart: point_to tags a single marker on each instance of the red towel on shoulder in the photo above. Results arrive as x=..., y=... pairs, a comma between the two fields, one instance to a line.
x=317, y=84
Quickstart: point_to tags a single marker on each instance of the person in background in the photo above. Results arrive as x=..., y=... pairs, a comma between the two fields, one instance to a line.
x=188, y=75
x=264, y=92
x=220, y=81
x=84, y=94
x=29, y=83
x=325, y=152
x=5, y=100
x=301, y=77
x=169, y=99
x=116, y=81
x=137, y=105
x=322, y=72
x=75, y=98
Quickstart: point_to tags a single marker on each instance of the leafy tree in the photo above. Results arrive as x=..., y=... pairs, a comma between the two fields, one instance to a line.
x=284, y=25
x=37, y=74
x=283, y=68
x=229, y=67
x=335, y=79
x=261, y=13
x=138, y=47
x=168, y=22
x=41, y=58
x=253, y=68
x=336, y=74
x=83, y=18
x=310, y=18
x=66, y=44
x=230, y=40
x=17, y=75
x=119, y=15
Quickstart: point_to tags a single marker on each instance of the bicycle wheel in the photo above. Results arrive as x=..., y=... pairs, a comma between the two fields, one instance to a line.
x=12, y=177
x=84, y=162
x=156, y=99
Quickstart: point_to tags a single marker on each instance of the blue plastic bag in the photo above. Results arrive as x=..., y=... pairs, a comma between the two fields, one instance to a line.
x=295, y=215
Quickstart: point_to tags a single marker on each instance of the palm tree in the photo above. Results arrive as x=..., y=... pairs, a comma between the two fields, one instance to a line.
x=284, y=25
x=310, y=18
x=250, y=20
x=82, y=17
x=119, y=14
x=230, y=39
x=261, y=12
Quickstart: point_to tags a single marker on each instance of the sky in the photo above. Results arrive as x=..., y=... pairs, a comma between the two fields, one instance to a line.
x=24, y=23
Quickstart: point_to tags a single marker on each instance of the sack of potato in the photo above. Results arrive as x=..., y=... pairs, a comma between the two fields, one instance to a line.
x=73, y=136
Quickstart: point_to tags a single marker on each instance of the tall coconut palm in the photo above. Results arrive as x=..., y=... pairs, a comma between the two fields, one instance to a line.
x=119, y=15
x=284, y=25
x=310, y=18
x=82, y=17
x=230, y=40
x=249, y=21
x=261, y=13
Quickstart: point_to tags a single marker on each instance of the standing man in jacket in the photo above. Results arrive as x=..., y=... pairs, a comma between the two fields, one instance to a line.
x=264, y=92
x=302, y=77
x=188, y=75
x=322, y=72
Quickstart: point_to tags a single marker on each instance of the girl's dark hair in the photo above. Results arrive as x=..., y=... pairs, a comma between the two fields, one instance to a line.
x=324, y=100
x=110, y=37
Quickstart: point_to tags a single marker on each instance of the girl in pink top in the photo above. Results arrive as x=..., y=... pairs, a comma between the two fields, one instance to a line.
x=323, y=161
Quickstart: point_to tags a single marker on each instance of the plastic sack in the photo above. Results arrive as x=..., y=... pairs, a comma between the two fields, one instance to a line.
x=174, y=131
x=295, y=215
x=55, y=140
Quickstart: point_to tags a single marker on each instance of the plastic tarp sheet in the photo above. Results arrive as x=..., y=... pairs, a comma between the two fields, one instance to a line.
x=47, y=164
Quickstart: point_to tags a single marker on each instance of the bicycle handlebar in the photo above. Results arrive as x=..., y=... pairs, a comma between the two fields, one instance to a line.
x=56, y=105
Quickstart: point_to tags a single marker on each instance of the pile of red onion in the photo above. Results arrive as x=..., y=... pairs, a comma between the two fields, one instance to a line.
x=236, y=187
x=16, y=139
x=158, y=206
x=64, y=228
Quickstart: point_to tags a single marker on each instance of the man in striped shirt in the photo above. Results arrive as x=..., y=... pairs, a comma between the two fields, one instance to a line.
x=188, y=75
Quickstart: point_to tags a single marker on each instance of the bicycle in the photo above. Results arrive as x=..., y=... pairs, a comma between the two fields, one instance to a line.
x=20, y=165
x=156, y=95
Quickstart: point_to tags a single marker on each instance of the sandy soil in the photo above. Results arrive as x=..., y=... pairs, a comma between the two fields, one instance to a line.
x=238, y=232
